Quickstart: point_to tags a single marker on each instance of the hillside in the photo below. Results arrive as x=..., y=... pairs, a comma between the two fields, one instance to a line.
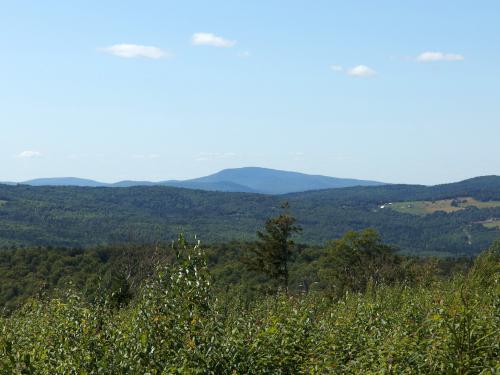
x=63, y=181
x=82, y=216
x=272, y=181
x=226, y=186
x=243, y=180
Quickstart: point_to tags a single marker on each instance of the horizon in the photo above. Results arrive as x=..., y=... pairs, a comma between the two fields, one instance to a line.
x=215, y=172
x=167, y=90
x=212, y=186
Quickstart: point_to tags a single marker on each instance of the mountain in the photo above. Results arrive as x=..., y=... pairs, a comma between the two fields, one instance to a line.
x=225, y=186
x=243, y=180
x=273, y=181
x=63, y=181
x=130, y=183
x=83, y=216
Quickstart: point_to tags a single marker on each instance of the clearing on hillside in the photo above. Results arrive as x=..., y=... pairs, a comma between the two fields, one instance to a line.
x=492, y=223
x=446, y=205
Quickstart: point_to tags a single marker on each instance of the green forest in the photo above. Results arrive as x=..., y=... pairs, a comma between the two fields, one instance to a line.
x=295, y=284
x=250, y=187
x=87, y=217
x=33, y=271
x=268, y=306
x=396, y=316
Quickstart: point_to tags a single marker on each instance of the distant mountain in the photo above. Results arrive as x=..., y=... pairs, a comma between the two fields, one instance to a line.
x=226, y=186
x=63, y=181
x=273, y=181
x=129, y=183
x=242, y=180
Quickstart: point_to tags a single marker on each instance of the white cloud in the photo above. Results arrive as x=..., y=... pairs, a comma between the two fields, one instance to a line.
x=361, y=71
x=209, y=39
x=337, y=68
x=439, y=56
x=29, y=154
x=130, y=51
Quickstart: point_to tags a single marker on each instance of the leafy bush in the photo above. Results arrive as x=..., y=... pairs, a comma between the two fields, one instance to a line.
x=177, y=324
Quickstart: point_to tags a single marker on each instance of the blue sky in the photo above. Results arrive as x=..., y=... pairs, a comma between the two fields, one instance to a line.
x=397, y=91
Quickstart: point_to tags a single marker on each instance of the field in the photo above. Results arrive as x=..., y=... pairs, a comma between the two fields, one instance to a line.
x=492, y=224
x=445, y=205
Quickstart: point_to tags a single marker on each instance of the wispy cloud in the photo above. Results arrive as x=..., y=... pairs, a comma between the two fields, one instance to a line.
x=130, y=51
x=29, y=154
x=361, y=71
x=439, y=56
x=209, y=39
x=356, y=71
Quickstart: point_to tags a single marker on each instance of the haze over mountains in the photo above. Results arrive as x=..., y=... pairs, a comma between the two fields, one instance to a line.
x=244, y=180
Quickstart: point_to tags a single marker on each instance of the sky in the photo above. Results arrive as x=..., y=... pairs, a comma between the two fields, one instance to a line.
x=395, y=91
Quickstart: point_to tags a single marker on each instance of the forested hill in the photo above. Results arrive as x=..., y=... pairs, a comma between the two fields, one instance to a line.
x=83, y=216
x=485, y=188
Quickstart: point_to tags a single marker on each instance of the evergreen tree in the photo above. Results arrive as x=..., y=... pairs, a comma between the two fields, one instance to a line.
x=274, y=247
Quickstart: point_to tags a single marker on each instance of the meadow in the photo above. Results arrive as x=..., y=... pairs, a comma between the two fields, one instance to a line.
x=494, y=224
x=444, y=205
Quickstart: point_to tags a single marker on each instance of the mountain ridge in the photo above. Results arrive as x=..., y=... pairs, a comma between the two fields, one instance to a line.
x=245, y=180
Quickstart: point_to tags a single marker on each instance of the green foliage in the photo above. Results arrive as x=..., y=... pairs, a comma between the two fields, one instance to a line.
x=85, y=217
x=178, y=324
x=118, y=271
x=274, y=248
x=486, y=268
x=357, y=260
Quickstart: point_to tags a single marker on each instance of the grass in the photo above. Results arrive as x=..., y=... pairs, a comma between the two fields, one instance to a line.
x=446, y=205
x=492, y=224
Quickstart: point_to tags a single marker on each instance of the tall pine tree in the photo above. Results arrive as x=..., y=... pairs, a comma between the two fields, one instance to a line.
x=274, y=247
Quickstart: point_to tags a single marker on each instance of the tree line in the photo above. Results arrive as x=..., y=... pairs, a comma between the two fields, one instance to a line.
x=179, y=322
